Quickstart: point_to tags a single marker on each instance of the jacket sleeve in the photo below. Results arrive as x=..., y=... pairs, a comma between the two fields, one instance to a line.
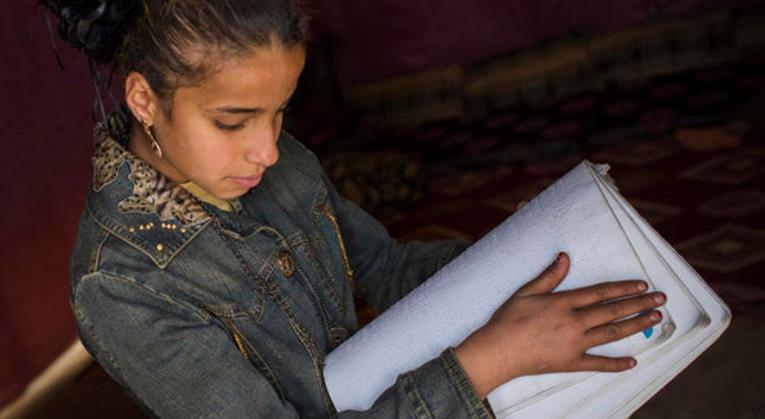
x=177, y=362
x=385, y=270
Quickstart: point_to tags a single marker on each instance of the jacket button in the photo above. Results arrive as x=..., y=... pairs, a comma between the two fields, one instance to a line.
x=337, y=335
x=286, y=263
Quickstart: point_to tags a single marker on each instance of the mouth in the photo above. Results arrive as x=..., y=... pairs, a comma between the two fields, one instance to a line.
x=247, y=181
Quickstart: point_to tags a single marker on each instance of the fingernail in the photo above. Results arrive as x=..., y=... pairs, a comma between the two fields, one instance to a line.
x=632, y=363
x=659, y=298
x=642, y=286
x=655, y=316
x=559, y=259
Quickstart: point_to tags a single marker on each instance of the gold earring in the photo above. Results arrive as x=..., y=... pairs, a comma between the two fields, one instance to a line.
x=153, y=140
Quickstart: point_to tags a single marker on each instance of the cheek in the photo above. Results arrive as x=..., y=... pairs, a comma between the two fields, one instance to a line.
x=207, y=153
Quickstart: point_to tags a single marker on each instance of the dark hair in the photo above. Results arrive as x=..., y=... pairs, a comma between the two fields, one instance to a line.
x=174, y=43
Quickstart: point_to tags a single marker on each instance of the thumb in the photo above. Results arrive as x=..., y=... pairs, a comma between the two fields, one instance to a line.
x=549, y=279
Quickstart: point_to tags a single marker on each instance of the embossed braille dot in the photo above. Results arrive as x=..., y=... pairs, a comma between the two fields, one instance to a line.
x=183, y=230
x=131, y=229
x=160, y=247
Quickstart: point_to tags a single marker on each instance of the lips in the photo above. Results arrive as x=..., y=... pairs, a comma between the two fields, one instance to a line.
x=248, y=181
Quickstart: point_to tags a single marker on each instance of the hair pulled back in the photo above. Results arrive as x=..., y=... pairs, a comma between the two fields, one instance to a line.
x=174, y=43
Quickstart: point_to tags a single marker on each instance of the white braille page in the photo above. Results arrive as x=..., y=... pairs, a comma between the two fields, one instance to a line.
x=572, y=215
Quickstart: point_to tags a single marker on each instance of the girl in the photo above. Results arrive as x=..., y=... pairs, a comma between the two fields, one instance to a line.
x=215, y=264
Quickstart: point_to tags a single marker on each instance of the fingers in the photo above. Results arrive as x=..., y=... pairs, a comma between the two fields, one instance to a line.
x=548, y=279
x=607, y=313
x=604, y=363
x=619, y=330
x=582, y=297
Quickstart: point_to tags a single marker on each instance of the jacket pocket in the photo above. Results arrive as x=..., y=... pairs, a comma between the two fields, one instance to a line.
x=251, y=308
x=249, y=352
x=229, y=315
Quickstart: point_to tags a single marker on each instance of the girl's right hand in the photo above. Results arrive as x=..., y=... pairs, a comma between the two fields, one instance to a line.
x=537, y=331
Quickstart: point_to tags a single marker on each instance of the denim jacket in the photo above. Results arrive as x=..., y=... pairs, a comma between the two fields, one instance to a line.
x=200, y=312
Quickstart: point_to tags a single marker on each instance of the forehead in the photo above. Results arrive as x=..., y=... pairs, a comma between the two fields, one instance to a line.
x=262, y=77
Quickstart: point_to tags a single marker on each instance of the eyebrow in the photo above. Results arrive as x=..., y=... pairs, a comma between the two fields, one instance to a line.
x=240, y=110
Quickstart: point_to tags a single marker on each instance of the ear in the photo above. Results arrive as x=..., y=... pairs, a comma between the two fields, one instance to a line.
x=140, y=98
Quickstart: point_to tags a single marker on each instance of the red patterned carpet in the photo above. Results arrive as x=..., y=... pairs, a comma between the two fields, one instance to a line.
x=708, y=203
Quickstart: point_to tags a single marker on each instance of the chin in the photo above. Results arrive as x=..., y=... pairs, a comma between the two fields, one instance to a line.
x=229, y=195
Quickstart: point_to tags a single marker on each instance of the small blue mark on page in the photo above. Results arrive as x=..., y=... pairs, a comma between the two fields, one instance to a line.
x=648, y=332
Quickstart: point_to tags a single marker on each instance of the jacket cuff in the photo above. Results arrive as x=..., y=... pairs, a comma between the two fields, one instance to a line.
x=442, y=388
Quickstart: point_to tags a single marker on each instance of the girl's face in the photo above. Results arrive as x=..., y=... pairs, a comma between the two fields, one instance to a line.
x=223, y=132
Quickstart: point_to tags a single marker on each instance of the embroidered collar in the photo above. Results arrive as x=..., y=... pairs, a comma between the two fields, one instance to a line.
x=152, y=192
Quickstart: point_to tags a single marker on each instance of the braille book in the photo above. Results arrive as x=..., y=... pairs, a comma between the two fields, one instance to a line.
x=607, y=240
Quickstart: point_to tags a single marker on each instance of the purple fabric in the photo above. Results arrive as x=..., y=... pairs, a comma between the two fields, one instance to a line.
x=44, y=174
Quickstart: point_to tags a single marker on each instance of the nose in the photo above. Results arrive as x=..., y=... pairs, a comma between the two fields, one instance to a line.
x=262, y=149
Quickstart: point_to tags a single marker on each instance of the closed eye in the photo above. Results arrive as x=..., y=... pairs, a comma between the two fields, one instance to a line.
x=227, y=127
x=236, y=127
